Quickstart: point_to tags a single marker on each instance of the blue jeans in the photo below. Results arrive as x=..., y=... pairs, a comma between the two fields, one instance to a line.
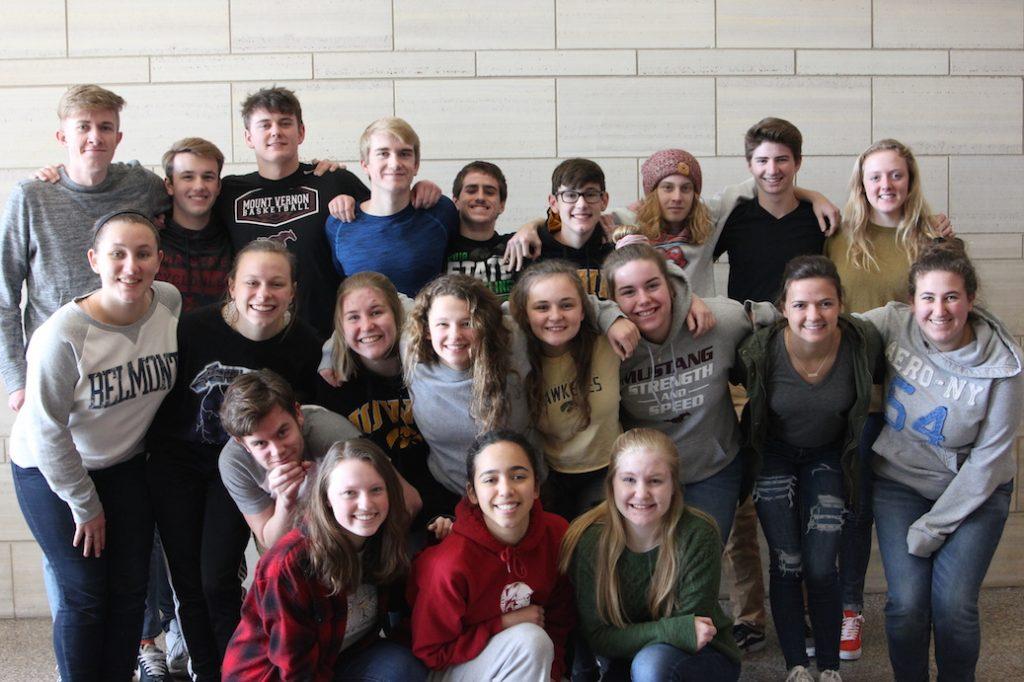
x=382, y=661
x=800, y=501
x=99, y=616
x=159, y=598
x=855, y=551
x=939, y=593
x=718, y=495
x=665, y=663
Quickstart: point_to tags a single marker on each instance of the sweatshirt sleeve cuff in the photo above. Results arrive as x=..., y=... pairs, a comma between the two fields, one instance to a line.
x=921, y=543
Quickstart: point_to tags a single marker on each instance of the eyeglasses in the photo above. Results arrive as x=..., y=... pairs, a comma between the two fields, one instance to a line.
x=571, y=196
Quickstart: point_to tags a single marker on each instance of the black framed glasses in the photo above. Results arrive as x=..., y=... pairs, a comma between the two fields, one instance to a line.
x=571, y=196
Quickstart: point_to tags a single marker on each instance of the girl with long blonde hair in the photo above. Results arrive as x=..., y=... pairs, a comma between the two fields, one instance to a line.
x=646, y=567
x=885, y=224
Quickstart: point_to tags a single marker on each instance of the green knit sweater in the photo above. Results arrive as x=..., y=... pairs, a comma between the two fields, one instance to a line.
x=700, y=552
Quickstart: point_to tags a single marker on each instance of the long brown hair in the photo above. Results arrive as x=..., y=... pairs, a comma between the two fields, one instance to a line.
x=581, y=348
x=611, y=543
x=332, y=558
x=490, y=353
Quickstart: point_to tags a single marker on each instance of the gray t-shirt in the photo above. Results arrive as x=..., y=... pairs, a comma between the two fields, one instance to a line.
x=808, y=415
x=246, y=479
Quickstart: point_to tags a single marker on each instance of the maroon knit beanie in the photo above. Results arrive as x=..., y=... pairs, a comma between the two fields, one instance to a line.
x=669, y=162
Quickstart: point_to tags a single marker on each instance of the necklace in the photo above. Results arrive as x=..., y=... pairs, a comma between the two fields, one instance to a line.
x=831, y=354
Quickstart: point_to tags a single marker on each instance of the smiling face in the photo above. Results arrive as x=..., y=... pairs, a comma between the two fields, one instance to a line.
x=886, y=185
x=504, y=486
x=390, y=164
x=642, y=487
x=452, y=335
x=368, y=324
x=358, y=496
x=675, y=197
x=91, y=137
x=274, y=136
x=579, y=217
x=645, y=298
x=774, y=168
x=812, y=309
x=555, y=312
x=277, y=438
x=127, y=259
x=194, y=185
x=941, y=308
x=262, y=289
x=479, y=201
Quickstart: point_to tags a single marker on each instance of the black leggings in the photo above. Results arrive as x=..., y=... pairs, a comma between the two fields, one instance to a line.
x=204, y=537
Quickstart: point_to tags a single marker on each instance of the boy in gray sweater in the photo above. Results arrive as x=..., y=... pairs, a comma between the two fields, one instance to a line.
x=45, y=230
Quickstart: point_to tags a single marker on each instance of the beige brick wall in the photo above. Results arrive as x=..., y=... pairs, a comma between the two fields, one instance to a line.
x=526, y=83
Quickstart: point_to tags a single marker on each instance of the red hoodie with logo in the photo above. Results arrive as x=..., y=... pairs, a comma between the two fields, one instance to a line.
x=460, y=588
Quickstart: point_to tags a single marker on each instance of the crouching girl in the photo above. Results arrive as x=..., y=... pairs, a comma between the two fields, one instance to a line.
x=488, y=602
x=645, y=567
x=315, y=607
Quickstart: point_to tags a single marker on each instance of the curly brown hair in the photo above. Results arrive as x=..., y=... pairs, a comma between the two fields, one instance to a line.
x=490, y=353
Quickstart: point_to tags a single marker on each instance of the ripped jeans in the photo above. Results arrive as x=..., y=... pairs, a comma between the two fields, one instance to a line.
x=800, y=501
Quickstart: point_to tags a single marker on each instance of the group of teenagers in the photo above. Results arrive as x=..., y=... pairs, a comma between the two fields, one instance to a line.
x=457, y=468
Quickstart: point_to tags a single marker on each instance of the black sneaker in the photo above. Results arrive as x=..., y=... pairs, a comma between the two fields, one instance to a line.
x=152, y=664
x=747, y=638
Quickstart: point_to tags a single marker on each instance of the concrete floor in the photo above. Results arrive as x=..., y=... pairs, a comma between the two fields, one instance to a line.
x=26, y=653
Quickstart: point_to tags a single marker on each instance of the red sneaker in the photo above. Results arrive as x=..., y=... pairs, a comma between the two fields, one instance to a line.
x=849, y=642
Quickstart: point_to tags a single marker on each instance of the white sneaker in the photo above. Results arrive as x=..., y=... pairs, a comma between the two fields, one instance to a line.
x=830, y=676
x=152, y=664
x=798, y=673
x=177, y=653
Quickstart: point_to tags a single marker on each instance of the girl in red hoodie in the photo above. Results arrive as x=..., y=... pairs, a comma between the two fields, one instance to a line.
x=488, y=602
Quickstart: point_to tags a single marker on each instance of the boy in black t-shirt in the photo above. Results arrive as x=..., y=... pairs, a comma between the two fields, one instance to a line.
x=762, y=236
x=285, y=201
x=480, y=192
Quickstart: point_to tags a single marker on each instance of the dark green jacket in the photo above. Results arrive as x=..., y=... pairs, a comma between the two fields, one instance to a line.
x=754, y=367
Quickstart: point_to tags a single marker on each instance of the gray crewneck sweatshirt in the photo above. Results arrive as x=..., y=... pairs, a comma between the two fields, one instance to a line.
x=44, y=236
x=951, y=418
x=441, y=397
x=681, y=386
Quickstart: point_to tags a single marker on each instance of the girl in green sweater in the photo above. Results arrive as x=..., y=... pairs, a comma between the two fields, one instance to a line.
x=645, y=568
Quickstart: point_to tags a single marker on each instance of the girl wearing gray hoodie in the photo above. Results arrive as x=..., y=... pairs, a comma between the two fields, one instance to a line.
x=945, y=468
x=678, y=384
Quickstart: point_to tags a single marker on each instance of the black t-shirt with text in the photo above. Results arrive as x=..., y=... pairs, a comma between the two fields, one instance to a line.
x=292, y=210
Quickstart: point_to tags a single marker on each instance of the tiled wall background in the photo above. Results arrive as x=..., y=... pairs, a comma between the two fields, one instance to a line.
x=529, y=82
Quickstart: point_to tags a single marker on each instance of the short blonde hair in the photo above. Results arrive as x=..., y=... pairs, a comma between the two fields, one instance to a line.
x=88, y=97
x=395, y=127
x=191, y=145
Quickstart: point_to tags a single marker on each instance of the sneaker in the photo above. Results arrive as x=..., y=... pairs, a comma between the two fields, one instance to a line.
x=809, y=639
x=798, y=673
x=849, y=641
x=830, y=676
x=748, y=639
x=152, y=664
x=177, y=654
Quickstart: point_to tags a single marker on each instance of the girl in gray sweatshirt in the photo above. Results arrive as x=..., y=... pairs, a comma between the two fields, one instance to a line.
x=944, y=473
x=678, y=384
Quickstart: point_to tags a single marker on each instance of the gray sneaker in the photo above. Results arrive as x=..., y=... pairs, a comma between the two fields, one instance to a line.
x=798, y=673
x=152, y=664
x=177, y=654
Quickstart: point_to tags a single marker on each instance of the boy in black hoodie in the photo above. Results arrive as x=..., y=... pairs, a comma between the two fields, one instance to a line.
x=197, y=250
